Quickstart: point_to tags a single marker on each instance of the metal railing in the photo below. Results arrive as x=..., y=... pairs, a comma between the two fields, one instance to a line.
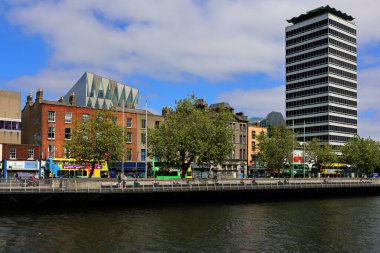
x=107, y=186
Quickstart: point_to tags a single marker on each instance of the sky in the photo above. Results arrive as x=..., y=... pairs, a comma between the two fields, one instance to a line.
x=220, y=50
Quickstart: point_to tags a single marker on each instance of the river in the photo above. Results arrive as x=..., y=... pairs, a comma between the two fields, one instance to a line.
x=319, y=225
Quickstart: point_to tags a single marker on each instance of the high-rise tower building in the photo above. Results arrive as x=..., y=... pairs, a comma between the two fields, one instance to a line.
x=321, y=76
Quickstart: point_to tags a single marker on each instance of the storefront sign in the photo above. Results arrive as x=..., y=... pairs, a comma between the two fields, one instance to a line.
x=22, y=165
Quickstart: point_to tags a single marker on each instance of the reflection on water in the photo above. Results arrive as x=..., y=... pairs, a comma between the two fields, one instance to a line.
x=329, y=225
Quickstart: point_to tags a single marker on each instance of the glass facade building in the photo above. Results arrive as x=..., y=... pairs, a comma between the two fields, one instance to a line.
x=321, y=76
x=101, y=93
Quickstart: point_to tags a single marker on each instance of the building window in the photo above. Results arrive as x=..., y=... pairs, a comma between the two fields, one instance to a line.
x=114, y=119
x=129, y=122
x=16, y=126
x=143, y=123
x=143, y=155
x=129, y=154
x=253, y=134
x=85, y=116
x=244, y=154
x=51, y=116
x=8, y=125
x=129, y=137
x=31, y=153
x=157, y=124
x=51, y=132
x=143, y=138
x=68, y=117
x=242, y=127
x=232, y=155
x=12, y=153
x=67, y=133
x=253, y=146
x=51, y=151
x=241, y=154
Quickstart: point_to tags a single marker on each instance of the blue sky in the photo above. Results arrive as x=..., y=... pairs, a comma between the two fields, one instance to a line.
x=221, y=50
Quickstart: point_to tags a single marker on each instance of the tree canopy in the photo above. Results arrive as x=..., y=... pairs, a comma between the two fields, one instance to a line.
x=275, y=151
x=320, y=153
x=362, y=154
x=97, y=138
x=192, y=134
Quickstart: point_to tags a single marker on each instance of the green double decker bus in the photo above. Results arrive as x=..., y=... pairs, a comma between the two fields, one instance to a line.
x=299, y=170
x=164, y=170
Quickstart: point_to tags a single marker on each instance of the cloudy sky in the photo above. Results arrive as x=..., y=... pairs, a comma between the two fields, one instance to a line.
x=220, y=50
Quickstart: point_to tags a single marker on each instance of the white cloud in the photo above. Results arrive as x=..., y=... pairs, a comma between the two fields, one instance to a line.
x=368, y=89
x=369, y=127
x=256, y=102
x=55, y=82
x=159, y=38
x=215, y=40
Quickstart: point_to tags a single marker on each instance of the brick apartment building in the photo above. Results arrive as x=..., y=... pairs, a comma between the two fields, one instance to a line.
x=50, y=123
x=236, y=164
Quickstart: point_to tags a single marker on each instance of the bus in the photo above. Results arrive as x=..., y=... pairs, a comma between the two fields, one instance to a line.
x=298, y=170
x=131, y=169
x=331, y=169
x=71, y=168
x=164, y=170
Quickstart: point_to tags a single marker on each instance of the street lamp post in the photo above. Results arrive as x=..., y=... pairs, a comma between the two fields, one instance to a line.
x=304, y=148
x=122, y=163
x=146, y=139
x=292, y=174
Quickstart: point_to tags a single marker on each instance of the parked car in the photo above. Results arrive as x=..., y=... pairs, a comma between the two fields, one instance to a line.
x=374, y=175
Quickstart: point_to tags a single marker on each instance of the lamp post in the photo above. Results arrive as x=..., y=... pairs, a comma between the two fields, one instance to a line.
x=292, y=174
x=122, y=163
x=146, y=139
x=304, y=148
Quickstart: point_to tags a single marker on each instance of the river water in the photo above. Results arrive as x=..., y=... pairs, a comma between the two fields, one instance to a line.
x=319, y=225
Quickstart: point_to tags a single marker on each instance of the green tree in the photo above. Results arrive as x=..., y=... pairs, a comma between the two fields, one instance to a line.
x=362, y=154
x=275, y=151
x=97, y=138
x=192, y=134
x=319, y=152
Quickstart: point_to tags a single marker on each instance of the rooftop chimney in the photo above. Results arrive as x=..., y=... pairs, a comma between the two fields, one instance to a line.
x=29, y=99
x=72, y=99
x=61, y=100
x=39, y=95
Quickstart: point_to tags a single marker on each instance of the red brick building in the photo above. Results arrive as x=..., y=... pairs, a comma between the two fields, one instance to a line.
x=19, y=152
x=49, y=124
x=16, y=158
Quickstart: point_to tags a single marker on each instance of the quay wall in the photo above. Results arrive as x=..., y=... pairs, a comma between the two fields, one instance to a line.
x=64, y=199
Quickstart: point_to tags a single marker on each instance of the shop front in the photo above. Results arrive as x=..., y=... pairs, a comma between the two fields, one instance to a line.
x=21, y=169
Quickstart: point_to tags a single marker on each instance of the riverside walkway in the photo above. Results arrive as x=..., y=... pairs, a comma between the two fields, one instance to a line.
x=107, y=186
x=64, y=193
